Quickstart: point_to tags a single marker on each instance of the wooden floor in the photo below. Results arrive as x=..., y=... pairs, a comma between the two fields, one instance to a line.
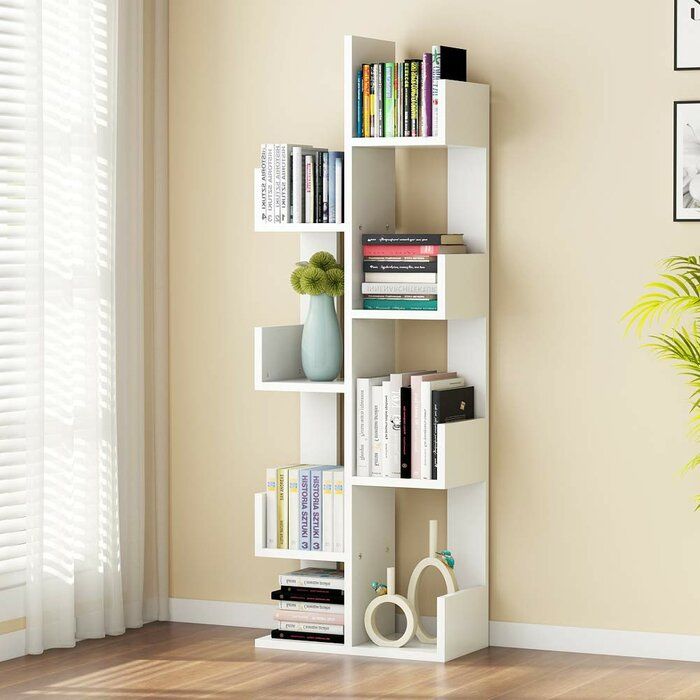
x=174, y=660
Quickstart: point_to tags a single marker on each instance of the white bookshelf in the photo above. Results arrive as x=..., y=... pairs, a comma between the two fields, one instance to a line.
x=369, y=350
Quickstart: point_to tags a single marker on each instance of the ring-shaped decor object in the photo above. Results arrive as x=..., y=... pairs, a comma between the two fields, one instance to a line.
x=370, y=620
x=448, y=576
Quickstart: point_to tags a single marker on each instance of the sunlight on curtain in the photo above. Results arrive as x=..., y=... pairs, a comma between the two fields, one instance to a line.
x=58, y=468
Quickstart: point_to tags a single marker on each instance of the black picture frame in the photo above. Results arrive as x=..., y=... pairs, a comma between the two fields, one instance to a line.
x=675, y=159
x=675, y=38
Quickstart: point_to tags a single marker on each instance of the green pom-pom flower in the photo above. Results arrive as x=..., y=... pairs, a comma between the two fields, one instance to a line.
x=334, y=282
x=295, y=279
x=313, y=280
x=323, y=260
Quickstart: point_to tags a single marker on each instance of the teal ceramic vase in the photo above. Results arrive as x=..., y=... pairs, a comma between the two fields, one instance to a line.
x=321, y=346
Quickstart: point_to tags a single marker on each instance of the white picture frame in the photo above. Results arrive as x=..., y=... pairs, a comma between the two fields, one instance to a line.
x=686, y=35
x=686, y=161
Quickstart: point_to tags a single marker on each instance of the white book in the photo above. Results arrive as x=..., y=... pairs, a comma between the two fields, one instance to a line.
x=293, y=508
x=377, y=430
x=401, y=277
x=314, y=577
x=298, y=179
x=302, y=606
x=426, y=420
x=363, y=419
x=316, y=627
x=270, y=183
x=338, y=510
x=271, y=508
x=308, y=189
x=277, y=197
x=339, y=191
x=386, y=426
x=398, y=288
x=435, y=83
x=262, y=184
x=327, y=507
x=284, y=183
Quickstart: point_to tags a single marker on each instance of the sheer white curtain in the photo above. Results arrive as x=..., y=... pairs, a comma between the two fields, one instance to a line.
x=73, y=483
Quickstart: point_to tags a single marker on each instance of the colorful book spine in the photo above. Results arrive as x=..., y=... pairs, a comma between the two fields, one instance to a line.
x=399, y=98
x=372, y=100
x=435, y=80
x=366, y=109
x=415, y=98
x=407, y=98
x=282, y=507
x=338, y=510
x=379, y=97
x=406, y=432
x=396, y=99
x=389, y=99
x=305, y=509
x=384, y=304
x=316, y=510
x=327, y=511
x=293, y=477
x=358, y=104
x=426, y=81
x=271, y=508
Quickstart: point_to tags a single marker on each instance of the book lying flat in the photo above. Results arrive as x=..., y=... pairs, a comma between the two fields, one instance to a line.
x=399, y=265
x=302, y=606
x=314, y=577
x=309, y=595
x=308, y=636
x=385, y=304
x=393, y=277
x=408, y=250
x=316, y=627
x=316, y=617
x=389, y=289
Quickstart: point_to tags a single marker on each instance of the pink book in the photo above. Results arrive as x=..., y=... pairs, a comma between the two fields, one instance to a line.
x=317, y=617
x=416, y=382
x=391, y=251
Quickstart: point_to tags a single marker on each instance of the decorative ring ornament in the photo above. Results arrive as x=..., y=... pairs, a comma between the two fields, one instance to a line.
x=390, y=598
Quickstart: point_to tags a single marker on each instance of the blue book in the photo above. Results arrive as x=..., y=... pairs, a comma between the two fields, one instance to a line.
x=333, y=157
x=358, y=99
x=305, y=509
x=388, y=304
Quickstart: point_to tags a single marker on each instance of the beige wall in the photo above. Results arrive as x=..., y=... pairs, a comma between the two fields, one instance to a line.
x=590, y=526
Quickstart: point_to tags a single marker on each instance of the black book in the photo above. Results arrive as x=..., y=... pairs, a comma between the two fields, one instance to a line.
x=308, y=636
x=405, y=432
x=309, y=595
x=453, y=63
x=449, y=406
x=400, y=265
x=412, y=239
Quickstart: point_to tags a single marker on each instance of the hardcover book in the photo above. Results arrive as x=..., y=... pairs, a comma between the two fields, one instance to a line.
x=314, y=577
x=263, y=182
x=308, y=636
x=316, y=509
x=301, y=606
x=385, y=427
x=396, y=276
x=327, y=511
x=309, y=189
x=293, y=520
x=426, y=107
x=399, y=265
x=310, y=595
x=271, y=508
x=389, y=99
x=366, y=111
x=277, y=192
x=314, y=627
x=415, y=97
x=323, y=618
x=338, y=510
x=406, y=432
x=412, y=239
x=389, y=289
x=377, y=430
x=270, y=150
x=305, y=509
x=449, y=406
x=282, y=507
x=406, y=98
x=380, y=251
x=386, y=304
x=358, y=104
x=364, y=423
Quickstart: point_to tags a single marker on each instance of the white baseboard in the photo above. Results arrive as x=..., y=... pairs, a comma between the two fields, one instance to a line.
x=218, y=612
x=12, y=645
x=649, y=645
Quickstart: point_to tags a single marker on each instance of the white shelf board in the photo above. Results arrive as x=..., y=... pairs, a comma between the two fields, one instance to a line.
x=396, y=483
x=397, y=142
x=267, y=642
x=398, y=315
x=302, y=385
x=301, y=554
x=298, y=228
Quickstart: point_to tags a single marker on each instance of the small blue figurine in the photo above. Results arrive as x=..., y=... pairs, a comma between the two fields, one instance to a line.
x=447, y=557
x=379, y=588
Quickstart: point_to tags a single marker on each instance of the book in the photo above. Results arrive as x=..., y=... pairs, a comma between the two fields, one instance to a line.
x=453, y=63
x=396, y=99
x=315, y=496
x=293, y=489
x=416, y=383
x=314, y=577
x=385, y=304
x=389, y=99
x=313, y=627
x=332, y=159
x=284, y=182
x=426, y=419
x=406, y=432
x=270, y=150
x=385, y=427
x=449, y=406
x=308, y=636
x=305, y=509
x=327, y=510
x=318, y=184
x=390, y=289
x=325, y=188
x=298, y=181
x=415, y=97
x=379, y=98
x=406, y=98
x=358, y=104
x=387, y=239
x=399, y=98
x=402, y=297
x=380, y=251
x=271, y=508
x=323, y=618
x=339, y=190
x=400, y=265
x=393, y=277
x=377, y=430
x=372, y=100
x=282, y=507
x=366, y=111
x=308, y=189
x=426, y=109
x=263, y=182
x=277, y=181
x=309, y=595
x=434, y=88
x=363, y=420
x=338, y=510
x=302, y=606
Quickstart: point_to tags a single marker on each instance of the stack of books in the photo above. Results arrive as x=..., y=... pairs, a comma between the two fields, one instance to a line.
x=401, y=99
x=305, y=508
x=397, y=418
x=311, y=606
x=299, y=185
x=400, y=269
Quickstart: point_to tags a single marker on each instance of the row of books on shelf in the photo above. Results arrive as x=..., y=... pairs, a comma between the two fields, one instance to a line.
x=304, y=508
x=311, y=606
x=400, y=269
x=299, y=184
x=401, y=98
x=397, y=418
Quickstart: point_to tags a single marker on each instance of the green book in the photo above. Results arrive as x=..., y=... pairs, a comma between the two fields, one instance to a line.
x=400, y=304
x=389, y=99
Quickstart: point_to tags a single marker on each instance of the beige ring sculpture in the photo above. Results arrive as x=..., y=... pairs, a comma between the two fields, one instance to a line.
x=448, y=576
x=391, y=598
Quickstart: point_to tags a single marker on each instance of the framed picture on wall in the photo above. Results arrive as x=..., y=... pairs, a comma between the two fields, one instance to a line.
x=686, y=161
x=687, y=35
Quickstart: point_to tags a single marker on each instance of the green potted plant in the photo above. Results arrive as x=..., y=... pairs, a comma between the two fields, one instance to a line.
x=321, y=345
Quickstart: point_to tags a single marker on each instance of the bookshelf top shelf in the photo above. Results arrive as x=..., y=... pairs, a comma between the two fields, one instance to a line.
x=299, y=228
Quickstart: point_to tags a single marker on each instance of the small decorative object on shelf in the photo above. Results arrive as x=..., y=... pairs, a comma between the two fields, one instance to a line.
x=444, y=563
x=379, y=588
x=390, y=597
x=321, y=346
